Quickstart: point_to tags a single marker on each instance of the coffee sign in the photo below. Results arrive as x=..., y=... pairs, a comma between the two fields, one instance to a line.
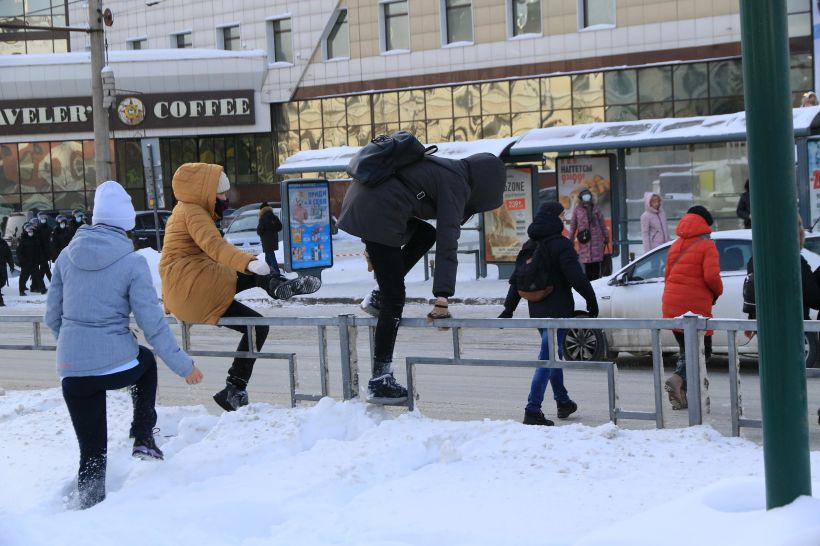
x=143, y=111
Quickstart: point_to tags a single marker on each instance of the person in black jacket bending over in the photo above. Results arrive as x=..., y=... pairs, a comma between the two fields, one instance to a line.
x=268, y=230
x=565, y=274
x=389, y=219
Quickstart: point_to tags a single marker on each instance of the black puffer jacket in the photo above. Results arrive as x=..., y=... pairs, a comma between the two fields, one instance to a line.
x=30, y=251
x=809, y=283
x=268, y=229
x=446, y=190
x=60, y=238
x=565, y=273
x=5, y=261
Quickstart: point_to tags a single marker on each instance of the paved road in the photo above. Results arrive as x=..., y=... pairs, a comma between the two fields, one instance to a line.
x=445, y=392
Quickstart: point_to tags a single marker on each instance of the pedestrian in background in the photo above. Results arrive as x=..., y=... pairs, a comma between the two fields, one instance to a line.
x=29, y=253
x=589, y=228
x=654, y=228
x=268, y=230
x=5, y=259
x=565, y=273
x=744, y=208
x=60, y=236
x=692, y=285
x=98, y=282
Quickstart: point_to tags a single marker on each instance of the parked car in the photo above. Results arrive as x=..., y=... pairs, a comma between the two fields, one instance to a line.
x=145, y=232
x=13, y=231
x=242, y=232
x=635, y=291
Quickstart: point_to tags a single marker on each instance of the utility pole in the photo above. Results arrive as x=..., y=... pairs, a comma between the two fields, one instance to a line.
x=102, y=150
x=770, y=129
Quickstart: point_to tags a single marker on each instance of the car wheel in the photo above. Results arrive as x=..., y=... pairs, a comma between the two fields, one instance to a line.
x=582, y=344
x=812, y=348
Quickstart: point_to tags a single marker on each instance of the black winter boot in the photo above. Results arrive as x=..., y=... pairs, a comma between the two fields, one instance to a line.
x=372, y=303
x=232, y=397
x=536, y=418
x=565, y=409
x=146, y=449
x=385, y=390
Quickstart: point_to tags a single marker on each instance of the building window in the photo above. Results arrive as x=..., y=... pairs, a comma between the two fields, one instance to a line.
x=280, y=43
x=138, y=43
x=17, y=13
x=458, y=21
x=395, y=26
x=799, y=13
x=183, y=40
x=525, y=17
x=592, y=13
x=228, y=38
x=337, y=44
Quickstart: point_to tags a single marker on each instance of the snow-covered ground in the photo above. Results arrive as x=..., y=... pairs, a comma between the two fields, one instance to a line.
x=346, y=473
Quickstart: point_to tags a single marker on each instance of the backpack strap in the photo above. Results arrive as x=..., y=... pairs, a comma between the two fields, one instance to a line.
x=699, y=239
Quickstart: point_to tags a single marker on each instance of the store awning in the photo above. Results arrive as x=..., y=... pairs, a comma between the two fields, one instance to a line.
x=336, y=159
x=651, y=132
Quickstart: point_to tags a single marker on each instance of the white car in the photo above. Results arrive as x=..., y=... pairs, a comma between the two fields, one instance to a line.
x=635, y=291
x=242, y=232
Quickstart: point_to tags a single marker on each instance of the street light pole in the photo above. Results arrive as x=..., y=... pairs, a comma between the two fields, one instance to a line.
x=102, y=150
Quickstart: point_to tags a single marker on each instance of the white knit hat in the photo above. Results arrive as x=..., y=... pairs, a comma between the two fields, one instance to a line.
x=113, y=207
x=224, y=184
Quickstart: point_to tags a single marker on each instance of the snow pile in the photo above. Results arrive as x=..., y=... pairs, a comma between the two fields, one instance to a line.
x=345, y=473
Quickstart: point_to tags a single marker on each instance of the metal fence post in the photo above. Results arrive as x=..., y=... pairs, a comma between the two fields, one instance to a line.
x=691, y=342
x=734, y=384
x=657, y=377
x=349, y=356
x=323, y=370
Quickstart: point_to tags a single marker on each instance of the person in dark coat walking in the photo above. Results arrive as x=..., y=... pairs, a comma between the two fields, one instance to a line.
x=30, y=254
x=565, y=274
x=5, y=258
x=390, y=218
x=268, y=230
x=77, y=219
x=744, y=209
x=43, y=231
x=60, y=236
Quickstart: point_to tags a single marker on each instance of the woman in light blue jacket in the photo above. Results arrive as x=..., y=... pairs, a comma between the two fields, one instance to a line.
x=98, y=280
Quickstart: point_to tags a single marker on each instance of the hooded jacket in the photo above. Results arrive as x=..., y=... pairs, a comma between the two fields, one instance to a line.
x=588, y=216
x=654, y=230
x=445, y=190
x=692, y=282
x=565, y=272
x=198, y=267
x=98, y=280
x=268, y=229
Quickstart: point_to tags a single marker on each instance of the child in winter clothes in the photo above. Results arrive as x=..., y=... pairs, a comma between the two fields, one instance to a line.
x=98, y=281
x=565, y=274
x=692, y=284
x=201, y=272
x=588, y=220
x=654, y=230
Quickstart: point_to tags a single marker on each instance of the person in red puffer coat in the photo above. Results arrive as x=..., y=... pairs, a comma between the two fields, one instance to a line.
x=693, y=285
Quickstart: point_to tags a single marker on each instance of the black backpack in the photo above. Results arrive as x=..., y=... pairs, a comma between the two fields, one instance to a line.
x=532, y=271
x=385, y=155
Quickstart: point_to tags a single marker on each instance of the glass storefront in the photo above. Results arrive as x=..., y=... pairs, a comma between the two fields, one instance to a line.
x=36, y=13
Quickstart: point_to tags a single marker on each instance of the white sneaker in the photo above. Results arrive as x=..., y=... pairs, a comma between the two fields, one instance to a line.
x=371, y=304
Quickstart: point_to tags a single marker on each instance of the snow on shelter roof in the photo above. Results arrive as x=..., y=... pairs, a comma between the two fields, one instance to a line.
x=650, y=132
x=336, y=159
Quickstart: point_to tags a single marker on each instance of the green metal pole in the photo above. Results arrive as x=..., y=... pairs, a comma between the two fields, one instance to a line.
x=770, y=131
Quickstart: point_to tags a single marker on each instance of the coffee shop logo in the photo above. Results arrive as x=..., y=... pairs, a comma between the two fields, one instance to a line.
x=131, y=111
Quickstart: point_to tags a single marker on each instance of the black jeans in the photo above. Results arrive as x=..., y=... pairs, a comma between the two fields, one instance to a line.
x=33, y=273
x=85, y=398
x=593, y=270
x=680, y=369
x=241, y=369
x=391, y=264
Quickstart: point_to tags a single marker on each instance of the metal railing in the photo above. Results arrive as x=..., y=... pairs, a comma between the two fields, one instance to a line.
x=692, y=327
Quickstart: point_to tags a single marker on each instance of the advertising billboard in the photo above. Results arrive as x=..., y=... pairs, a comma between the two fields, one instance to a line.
x=306, y=207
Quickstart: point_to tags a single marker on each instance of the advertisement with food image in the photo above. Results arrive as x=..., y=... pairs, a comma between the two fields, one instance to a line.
x=505, y=228
x=586, y=172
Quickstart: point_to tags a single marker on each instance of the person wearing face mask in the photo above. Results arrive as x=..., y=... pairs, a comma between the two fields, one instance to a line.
x=30, y=252
x=654, y=229
x=589, y=228
x=201, y=272
x=60, y=236
x=77, y=219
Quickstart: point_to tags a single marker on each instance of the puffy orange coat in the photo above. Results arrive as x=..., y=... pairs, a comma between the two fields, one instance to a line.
x=198, y=267
x=693, y=283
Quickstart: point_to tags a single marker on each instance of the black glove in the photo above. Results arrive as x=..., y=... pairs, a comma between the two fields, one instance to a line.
x=592, y=308
x=505, y=314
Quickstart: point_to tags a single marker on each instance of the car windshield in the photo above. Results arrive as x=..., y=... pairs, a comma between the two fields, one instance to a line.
x=813, y=244
x=246, y=222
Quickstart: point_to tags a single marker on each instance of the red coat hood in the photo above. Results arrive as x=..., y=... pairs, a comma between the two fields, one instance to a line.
x=692, y=225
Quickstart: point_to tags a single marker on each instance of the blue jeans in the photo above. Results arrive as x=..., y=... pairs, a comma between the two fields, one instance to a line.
x=542, y=376
x=270, y=259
